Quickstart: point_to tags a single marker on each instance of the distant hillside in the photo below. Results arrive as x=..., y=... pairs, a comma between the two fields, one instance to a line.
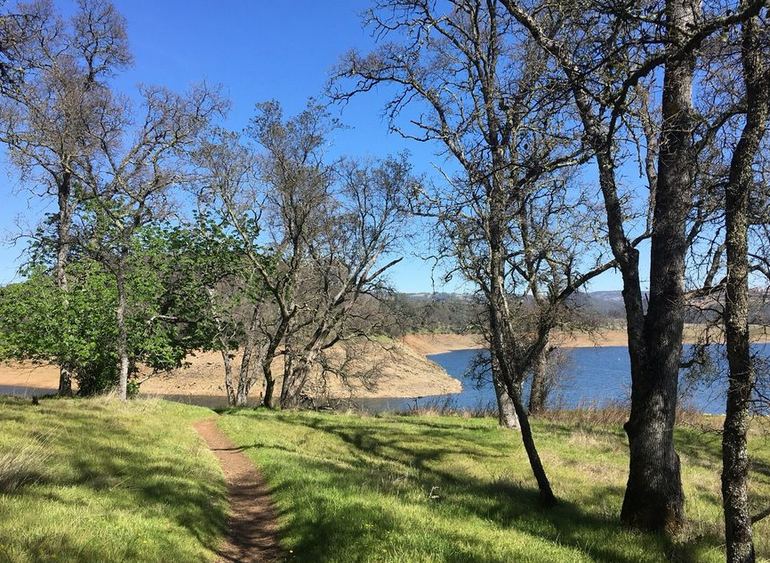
x=455, y=312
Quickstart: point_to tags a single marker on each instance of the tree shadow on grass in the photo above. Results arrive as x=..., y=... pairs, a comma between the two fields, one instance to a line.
x=344, y=520
x=107, y=460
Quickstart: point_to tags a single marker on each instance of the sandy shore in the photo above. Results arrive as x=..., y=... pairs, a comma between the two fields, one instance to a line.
x=392, y=369
x=395, y=369
x=439, y=343
x=618, y=337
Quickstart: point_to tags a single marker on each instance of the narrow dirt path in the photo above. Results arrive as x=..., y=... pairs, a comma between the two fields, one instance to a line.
x=252, y=527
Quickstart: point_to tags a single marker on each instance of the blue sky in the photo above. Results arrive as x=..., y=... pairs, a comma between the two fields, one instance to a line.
x=257, y=50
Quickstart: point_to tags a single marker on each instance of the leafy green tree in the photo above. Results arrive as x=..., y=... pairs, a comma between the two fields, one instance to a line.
x=54, y=76
x=39, y=322
x=77, y=329
x=216, y=290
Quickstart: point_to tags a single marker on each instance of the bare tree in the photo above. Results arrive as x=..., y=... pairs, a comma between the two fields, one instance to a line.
x=22, y=28
x=739, y=193
x=54, y=90
x=508, y=220
x=227, y=170
x=329, y=230
x=348, y=255
x=603, y=79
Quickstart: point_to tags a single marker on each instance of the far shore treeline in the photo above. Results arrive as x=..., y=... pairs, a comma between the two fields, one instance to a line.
x=572, y=139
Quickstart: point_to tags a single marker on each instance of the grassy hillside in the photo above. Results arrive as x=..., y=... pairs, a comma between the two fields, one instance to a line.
x=99, y=480
x=450, y=489
x=103, y=481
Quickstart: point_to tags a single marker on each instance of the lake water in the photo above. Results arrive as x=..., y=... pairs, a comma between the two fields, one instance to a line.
x=589, y=377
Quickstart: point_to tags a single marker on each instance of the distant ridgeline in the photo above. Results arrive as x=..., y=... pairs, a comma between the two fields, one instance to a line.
x=459, y=312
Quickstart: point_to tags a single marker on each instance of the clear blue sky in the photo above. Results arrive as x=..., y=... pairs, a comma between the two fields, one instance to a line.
x=257, y=50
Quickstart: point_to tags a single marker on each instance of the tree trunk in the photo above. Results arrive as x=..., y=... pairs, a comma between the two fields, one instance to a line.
x=544, y=485
x=506, y=412
x=735, y=459
x=65, y=382
x=244, y=375
x=269, y=355
x=498, y=312
x=654, y=498
x=62, y=257
x=295, y=379
x=288, y=372
x=245, y=380
x=228, y=363
x=120, y=316
x=242, y=395
x=538, y=394
x=267, y=372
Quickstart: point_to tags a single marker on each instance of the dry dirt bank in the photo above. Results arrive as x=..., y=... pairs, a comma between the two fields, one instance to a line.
x=401, y=366
x=438, y=343
x=399, y=370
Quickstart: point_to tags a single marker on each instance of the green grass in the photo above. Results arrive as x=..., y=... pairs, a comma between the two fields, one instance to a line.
x=98, y=480
x=352, y=488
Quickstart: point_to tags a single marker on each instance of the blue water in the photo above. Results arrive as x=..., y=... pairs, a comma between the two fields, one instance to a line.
x=589, y=377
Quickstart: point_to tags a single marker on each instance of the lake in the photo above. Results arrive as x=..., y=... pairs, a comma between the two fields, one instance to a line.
x=589, y=377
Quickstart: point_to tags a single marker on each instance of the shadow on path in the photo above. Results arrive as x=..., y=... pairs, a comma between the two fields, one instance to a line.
x=252, y=529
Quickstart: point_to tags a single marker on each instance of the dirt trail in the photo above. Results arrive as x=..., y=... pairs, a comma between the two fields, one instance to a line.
x=252, y=527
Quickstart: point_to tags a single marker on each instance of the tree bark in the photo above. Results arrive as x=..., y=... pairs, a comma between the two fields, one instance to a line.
x=245, y=380
x=654, y=498
x=294, y=381
x=498, y=317
x=538, y=394
x=506, y=412
x=228, y=363
x=544, y=485
x=244, y=374
x=267, y=372
x=735, y=460
x=120, y=317
x=62, y=257
x=269, y=355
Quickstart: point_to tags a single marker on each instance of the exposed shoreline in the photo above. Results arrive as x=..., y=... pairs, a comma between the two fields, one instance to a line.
x=405, y=370
x=440, y=343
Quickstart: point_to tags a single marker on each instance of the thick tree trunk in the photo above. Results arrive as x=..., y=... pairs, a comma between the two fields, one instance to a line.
x=267, y=372
x=538, y=393
x=735, y=460
x=65, y=382
x=122, y=347
x=506, y=412
x=654, y=498
x=295, y=379
x=242, y=395
x=62, y=257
